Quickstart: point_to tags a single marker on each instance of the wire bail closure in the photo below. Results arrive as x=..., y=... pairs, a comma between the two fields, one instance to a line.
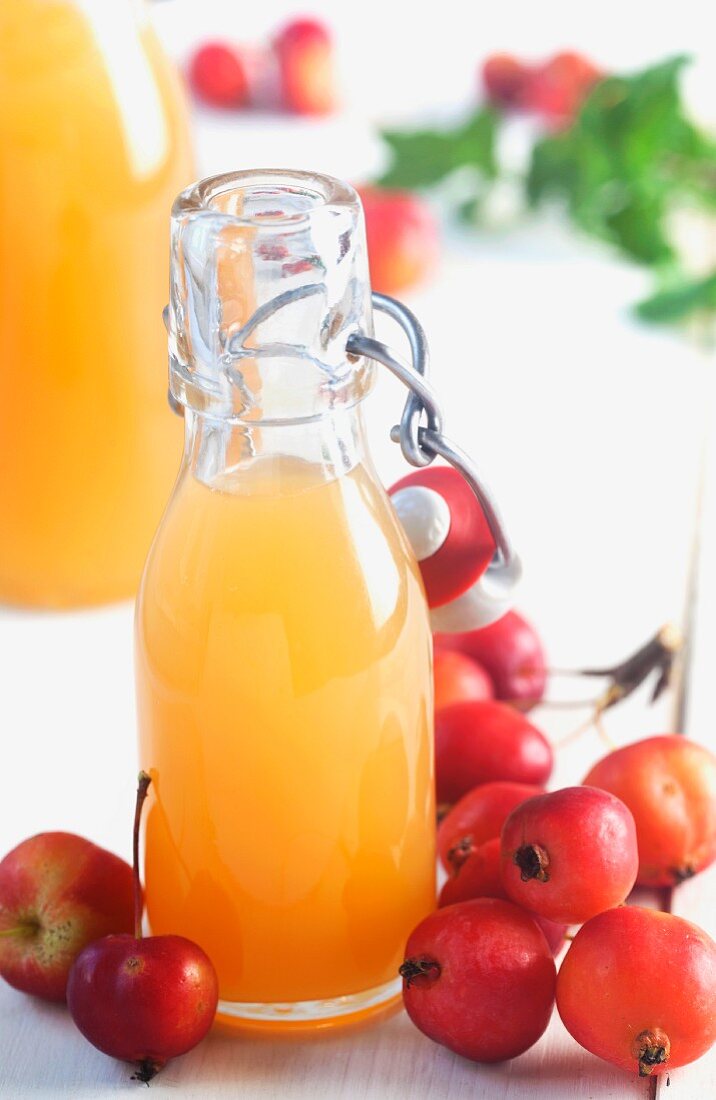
x=420, y=442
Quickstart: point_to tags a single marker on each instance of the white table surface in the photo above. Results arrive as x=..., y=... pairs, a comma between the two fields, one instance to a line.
x=590, y=430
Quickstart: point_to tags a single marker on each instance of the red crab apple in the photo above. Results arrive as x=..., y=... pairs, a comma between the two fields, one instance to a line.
x=482, y=741
x=511, y=652
x=478, y=816
x=479, y=877
x=58, y=892
x=557, y=89
x=218, y=75
x=569, y=855
x=143, y=1000
x=458, y=677
x=304, y=50
x=403, y=238
x=638, y=988
x=479, y=978
x=669, y=784
x=505, y=79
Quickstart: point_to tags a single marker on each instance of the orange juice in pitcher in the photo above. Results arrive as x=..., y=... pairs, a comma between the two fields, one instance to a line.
x=93, y=147
x=283, y=640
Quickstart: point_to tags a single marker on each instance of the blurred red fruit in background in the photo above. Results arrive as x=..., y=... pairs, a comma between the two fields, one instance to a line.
x=458, y=677
x=403, y=238
x=511, y=652
x=554, y=89
x=505, y=79
x=218, y=76
x=304, y=50
x=557, y=89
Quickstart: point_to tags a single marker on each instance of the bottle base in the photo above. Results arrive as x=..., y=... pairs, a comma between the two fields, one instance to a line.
x=299, y=1017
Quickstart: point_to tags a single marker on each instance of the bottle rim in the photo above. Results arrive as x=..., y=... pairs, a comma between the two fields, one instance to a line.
x=312, y=189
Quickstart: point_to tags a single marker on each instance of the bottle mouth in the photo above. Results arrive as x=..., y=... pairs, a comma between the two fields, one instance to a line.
x=266, y=196
x=269, y=282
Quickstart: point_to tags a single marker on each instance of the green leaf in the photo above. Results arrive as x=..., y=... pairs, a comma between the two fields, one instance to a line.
x=638, y=230
x=678, y=302
x=629, y=158
x=421, y=158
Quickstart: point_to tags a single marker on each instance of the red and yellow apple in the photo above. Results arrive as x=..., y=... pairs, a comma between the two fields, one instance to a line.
x=58, y=892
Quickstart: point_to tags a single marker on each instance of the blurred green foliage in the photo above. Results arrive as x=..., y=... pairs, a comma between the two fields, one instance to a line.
x=630, y=159
x=421, y=158
x=686, y=298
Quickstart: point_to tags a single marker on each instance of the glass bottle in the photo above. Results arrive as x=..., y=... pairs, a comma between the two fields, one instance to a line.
x=93, y=148
x=282, y=636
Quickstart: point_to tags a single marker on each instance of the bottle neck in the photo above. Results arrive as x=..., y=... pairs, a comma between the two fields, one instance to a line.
x=230, y=456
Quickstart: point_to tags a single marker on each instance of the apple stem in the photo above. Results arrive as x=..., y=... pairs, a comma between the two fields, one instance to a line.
x=21, y=930
x=142, y=787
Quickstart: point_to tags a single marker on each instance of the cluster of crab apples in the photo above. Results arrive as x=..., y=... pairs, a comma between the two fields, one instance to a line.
x=294, y=71
x=525, y=865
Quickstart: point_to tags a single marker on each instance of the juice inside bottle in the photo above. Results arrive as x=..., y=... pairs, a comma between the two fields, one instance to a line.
x=283, y=665
x=292, y=840
x=93, y=148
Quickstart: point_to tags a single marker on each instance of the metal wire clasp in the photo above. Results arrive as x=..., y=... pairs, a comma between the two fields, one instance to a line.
x=422, y=443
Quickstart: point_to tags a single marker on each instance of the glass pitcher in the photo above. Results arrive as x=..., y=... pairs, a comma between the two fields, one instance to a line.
x=282, y=634
x=93, y=148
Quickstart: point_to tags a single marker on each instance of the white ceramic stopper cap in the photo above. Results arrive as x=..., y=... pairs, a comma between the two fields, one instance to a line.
x=425, y=517
x=488, y=600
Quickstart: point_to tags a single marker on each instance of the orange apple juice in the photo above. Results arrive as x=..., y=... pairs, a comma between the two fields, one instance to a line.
x=285, y=703
x=93, y=148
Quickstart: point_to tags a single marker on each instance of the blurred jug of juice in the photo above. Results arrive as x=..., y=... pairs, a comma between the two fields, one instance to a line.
x=93, y=147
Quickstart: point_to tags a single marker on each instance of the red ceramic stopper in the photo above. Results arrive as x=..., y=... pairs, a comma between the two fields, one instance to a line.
x=469, y=547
